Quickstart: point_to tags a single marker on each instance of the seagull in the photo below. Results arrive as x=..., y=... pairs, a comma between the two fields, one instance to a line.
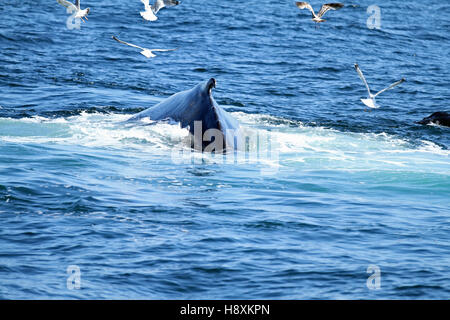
x=151, y=11
x=75, y=7
x=146, y=52
x=370, y=101
x=326, y=7
x=148, y=14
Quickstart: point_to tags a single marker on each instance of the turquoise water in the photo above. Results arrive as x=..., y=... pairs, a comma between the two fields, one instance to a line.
x=331, y=190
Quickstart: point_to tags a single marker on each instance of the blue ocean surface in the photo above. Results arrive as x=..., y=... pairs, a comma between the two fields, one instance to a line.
x=93, y=209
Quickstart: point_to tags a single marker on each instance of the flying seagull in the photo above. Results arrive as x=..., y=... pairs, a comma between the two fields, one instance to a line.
x=370, y=101
x=148, y=14
x=151, y=11
x=326, y=7
x=146, y=52
x=75, y=8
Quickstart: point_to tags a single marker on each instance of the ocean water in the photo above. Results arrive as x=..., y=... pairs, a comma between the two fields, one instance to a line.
x=333, y=191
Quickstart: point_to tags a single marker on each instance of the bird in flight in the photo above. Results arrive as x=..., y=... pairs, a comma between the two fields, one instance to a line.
x=151, y=11
x=370, y=101
x=75, y=7
x=144, y=51
x=326, y=7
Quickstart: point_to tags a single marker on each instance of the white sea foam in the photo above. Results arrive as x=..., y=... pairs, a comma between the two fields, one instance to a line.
x=281, y=142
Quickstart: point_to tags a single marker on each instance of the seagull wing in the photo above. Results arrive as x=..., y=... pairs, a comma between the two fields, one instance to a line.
x=163, y=49
x=128, y=44
x=362, y=77
x=328, y=7
x=159, y=4
x=77, y=4
x=391, y=86
x=68, y=5
x=171, y=3
x=305, y=5
x=146, y=3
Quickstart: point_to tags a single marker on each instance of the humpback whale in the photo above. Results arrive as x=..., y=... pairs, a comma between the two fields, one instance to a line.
x=212, y=128
x=440, y=118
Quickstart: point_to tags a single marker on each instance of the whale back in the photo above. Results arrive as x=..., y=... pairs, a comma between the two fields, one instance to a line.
x=196, y=104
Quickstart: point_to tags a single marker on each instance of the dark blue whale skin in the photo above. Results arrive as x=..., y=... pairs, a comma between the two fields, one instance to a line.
x=440, y=118
x=196, y=104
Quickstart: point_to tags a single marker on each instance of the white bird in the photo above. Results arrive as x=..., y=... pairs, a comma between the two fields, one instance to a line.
x=146, y=52
x=148, y=14
x=75, y=8
x=370, y=101
x=326, y=7
x=151, y=11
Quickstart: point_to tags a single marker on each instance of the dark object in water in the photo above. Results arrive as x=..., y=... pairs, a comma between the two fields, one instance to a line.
x=212, y=127
x=439, y=118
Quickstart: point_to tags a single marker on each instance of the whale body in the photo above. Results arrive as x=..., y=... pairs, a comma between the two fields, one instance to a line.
x=212, y=127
